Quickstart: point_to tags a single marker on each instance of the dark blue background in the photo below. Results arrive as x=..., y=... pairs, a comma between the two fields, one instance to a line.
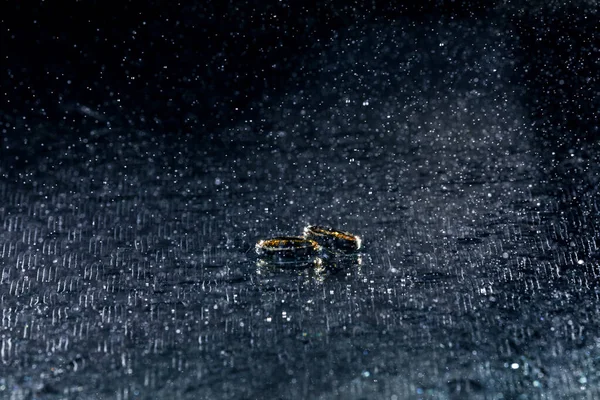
x=146, y=148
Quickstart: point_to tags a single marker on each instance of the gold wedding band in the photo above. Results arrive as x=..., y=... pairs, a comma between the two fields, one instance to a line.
x=287, y=247
x=332, y=239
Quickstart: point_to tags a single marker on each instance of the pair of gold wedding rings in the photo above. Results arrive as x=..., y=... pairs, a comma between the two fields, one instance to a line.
x=315, y=241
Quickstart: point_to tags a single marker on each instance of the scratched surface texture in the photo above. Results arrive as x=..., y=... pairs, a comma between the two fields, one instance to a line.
x=126, y=255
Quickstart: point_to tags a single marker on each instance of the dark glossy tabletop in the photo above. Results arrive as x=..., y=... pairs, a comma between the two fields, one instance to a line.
x=460, y=144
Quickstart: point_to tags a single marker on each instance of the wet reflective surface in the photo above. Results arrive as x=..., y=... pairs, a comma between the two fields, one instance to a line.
x=128, y=263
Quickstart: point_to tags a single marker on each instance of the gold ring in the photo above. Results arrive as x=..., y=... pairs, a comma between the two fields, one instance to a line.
x=287, y=247
x=332, y=239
